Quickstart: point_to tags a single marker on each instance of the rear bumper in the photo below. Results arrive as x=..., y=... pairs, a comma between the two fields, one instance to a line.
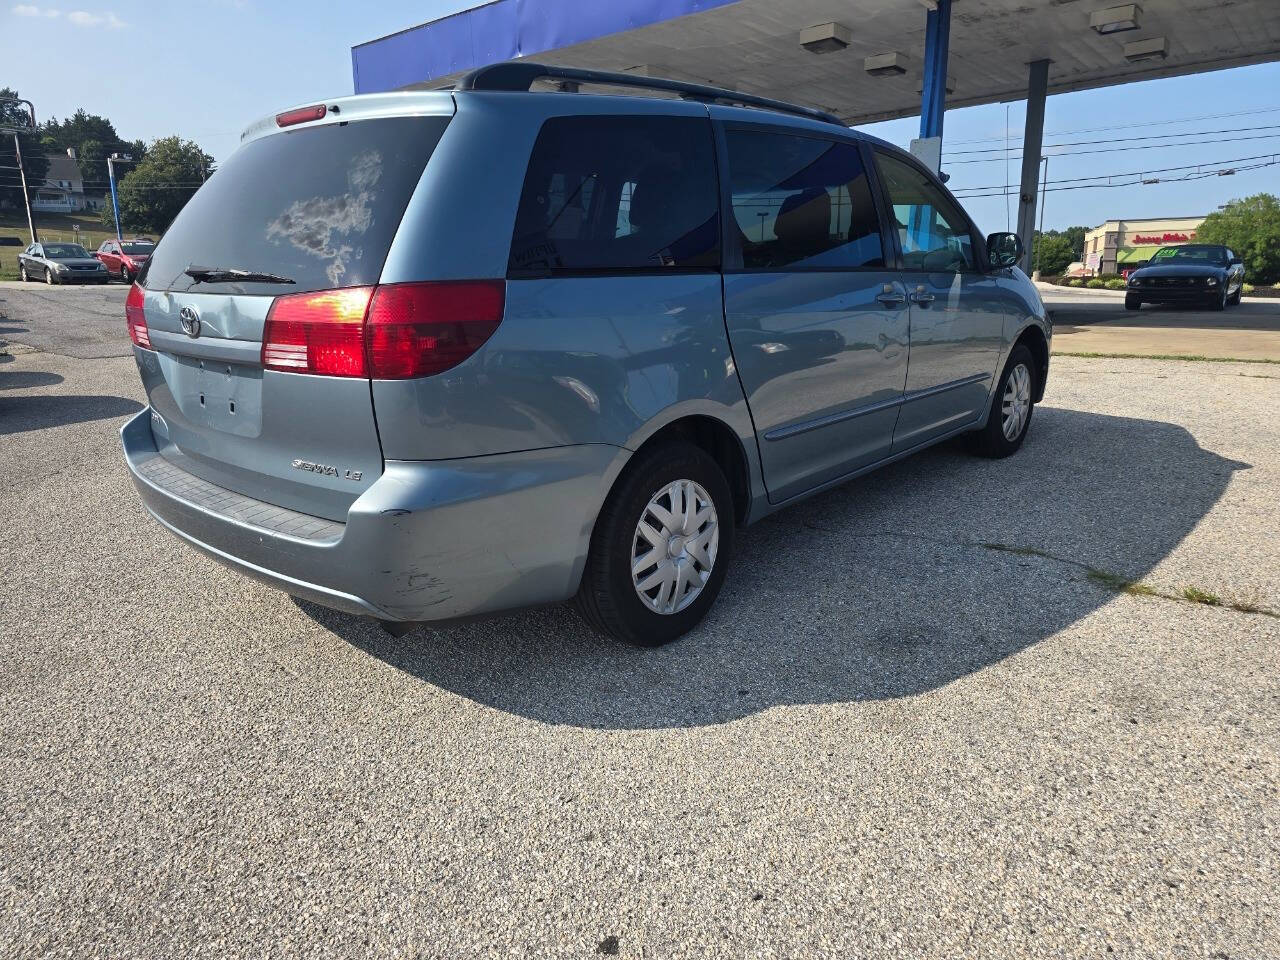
x=430, y=540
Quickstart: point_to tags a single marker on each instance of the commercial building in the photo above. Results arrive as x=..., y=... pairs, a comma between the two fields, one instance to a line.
x=1120, y=245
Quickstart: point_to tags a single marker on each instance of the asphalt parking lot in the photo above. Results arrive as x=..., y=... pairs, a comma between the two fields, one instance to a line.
x=956, y=708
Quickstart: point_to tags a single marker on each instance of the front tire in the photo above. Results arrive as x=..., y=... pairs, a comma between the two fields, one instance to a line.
x=1234, y=299
x=660, y=547
x=125, y=275
x=1220, y=301
x=1132, y=303
x=48, y=276
x=1011, y=407
x=22, y=272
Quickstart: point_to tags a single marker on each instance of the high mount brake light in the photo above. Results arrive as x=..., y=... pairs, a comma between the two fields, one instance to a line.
x=136, y=319
x=393, y=332
x=301, y=115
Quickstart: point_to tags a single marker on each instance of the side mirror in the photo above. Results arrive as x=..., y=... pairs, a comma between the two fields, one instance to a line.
x=1004, y=250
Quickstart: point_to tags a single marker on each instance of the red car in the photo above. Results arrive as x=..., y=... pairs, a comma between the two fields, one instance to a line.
x=124, y=258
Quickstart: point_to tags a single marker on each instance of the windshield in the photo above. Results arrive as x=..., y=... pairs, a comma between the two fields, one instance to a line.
x=1191, y=254
x=318, y=206
x=59, y=251
x=139, y=249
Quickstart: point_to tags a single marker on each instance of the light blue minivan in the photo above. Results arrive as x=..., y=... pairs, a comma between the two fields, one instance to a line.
x=428, y=355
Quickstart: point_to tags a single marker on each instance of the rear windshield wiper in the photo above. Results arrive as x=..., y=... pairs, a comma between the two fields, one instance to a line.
x=232, y=274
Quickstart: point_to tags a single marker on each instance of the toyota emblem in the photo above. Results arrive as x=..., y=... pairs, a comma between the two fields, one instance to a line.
x=190, y=322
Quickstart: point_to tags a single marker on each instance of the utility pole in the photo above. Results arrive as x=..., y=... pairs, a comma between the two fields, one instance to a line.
x=26, y=197
x=22, y=173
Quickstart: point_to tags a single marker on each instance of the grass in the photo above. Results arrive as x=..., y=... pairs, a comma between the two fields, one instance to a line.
x=1195, y=358
x=1196, y=595
x=1117, y=583
x=53, y=227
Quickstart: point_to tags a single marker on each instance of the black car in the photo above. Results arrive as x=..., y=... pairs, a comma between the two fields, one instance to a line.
x=1198, y=273
x=60, y=263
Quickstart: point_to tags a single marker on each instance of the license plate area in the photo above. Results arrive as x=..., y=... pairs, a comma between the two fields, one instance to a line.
x=218, y=394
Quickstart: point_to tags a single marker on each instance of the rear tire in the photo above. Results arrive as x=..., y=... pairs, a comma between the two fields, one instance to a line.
x=1132, y=303
x=1011, y=408
x=683, y=482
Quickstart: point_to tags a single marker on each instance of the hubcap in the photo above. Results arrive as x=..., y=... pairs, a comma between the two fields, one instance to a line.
x=674, y=547
x=1016, y=405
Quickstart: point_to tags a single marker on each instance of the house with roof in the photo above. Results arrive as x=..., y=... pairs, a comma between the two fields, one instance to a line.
x=63, y=187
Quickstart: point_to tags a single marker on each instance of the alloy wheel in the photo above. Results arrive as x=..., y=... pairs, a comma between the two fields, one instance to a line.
x=674, y=548
x=1015, y=406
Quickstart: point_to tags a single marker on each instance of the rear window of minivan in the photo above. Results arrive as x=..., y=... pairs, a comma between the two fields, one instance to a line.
x=319, y=205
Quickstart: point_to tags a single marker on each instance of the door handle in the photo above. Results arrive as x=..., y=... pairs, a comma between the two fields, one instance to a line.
x=891, y=298
x=922, y=297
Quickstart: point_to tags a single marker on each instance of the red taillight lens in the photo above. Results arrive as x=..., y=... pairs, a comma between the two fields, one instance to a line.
x=136, y=319
x=321, y=332
x=301, y=115
x=418, y=329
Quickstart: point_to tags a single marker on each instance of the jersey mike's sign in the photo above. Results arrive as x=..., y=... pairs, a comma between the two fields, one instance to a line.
x=1147, y=239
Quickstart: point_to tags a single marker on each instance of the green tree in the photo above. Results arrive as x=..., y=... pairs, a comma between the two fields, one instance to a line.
x=33, y=158
x=1075, y=237
x=157, y=188
x=1250, y=227
x=1053, y=253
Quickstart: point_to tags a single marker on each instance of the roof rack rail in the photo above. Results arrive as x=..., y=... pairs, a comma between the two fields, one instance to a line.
x=519, y=75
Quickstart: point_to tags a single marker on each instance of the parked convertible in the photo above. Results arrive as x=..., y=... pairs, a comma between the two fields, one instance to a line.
x=60, y=263
x=1197, y=273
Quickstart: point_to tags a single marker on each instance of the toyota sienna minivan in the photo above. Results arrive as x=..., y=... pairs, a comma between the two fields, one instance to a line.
x=423, y=356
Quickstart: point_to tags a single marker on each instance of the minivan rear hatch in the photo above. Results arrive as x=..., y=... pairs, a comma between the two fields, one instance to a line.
x=315, y=206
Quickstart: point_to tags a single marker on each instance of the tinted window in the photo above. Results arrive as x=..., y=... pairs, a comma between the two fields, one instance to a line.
x=619, y=193
x=319, y=205
x=801, y=202
x=933, y=233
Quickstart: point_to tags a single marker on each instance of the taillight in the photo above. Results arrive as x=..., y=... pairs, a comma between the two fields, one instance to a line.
x=418, y=329
x=301, y=115
x=391, y=332
x=321, y=332
x=135, y=318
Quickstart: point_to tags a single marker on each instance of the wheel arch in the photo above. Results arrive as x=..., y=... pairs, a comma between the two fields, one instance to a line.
x=723, y=444
x=1033, y=338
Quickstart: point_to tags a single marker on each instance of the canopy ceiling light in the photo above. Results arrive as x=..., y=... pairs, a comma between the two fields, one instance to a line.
x=886, y=65
x=1157, y=48
x=825, y=37
x=1116, y=19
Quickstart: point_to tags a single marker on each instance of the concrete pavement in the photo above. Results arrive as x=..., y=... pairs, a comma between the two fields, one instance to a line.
x=920, y=722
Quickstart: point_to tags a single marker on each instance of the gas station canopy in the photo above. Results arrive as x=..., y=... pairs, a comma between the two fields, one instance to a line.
x=755, y=45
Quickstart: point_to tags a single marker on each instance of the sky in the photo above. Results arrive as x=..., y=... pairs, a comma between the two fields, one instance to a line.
x=204, y=69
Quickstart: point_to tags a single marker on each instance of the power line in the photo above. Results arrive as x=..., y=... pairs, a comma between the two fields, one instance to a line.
x=1149, y=146
x=1094, y=143
x=1138, y=173
x=1130, y=126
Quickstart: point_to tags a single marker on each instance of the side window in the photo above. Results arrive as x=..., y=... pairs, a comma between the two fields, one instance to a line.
x=612, y=194
x=933, y=233
x=801, y=202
